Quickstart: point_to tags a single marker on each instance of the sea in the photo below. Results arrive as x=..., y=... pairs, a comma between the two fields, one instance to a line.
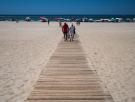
x=53, y=17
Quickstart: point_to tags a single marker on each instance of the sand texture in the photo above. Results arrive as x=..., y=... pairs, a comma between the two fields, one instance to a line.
x=111, y=51
x=24, y=50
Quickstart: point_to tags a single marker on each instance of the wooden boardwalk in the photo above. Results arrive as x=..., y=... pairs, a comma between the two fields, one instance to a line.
x=68, y=78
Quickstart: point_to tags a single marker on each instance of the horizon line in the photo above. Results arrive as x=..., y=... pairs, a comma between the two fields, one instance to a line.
x=71, y=14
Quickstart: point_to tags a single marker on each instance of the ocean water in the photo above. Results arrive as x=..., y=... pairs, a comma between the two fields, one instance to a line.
x=73, y=17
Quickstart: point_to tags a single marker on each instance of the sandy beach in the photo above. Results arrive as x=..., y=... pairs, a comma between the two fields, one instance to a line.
x=24, y=50
x=111, y=51
x=26, y=47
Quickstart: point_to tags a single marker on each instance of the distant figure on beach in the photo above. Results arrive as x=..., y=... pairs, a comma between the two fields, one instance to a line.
x=60, y=24
x=72, y=32
x=65, y=30
x=48, y=21
x=17, y=21
x=78, y=22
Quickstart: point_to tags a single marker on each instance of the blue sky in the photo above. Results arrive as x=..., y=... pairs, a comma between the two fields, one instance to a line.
x=67, y=6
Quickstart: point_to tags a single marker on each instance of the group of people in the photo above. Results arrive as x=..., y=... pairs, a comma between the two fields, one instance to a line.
x=68, y=32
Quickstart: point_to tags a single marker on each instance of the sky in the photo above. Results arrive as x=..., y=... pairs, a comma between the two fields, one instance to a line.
x=88, y=7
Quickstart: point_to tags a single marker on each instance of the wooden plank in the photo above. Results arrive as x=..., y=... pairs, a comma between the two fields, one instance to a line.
x=68, y=97
x=107, y=100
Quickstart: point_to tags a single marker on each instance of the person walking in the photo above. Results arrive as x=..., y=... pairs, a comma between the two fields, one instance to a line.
x=60, y=24
x=48, y=21
x=72, y=32
x=65, y=30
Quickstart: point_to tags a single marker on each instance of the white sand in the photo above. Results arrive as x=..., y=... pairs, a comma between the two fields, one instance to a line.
x=26, y=47
x=111, y=50
x=24, y=50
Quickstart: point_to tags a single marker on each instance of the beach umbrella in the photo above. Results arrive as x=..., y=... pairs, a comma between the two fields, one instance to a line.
x=113, y=20
x=133, y=19
x=60, y=19
x=106, y=20
x=27, y=19
x=43, y=19
x=67, y=20
x=91, y=20
x=85, y=19
x=119, y=19
x=129, y=20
